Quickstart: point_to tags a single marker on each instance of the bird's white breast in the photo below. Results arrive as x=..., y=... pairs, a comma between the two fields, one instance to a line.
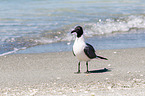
x=78, y=49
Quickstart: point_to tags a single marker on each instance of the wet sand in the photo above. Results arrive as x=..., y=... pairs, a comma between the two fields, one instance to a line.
x=53, y=74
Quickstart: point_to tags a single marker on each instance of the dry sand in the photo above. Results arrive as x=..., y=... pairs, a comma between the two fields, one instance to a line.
x=49, y=74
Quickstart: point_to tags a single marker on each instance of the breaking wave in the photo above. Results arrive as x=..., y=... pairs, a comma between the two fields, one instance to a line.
x=93, y=28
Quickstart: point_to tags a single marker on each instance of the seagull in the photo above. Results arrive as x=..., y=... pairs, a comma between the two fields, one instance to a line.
x=83, y=51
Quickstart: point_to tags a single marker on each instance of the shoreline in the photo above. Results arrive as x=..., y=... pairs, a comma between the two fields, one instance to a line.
x=122, y=40
x=53, y=74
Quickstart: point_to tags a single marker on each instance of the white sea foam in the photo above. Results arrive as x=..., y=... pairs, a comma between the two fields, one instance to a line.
x=115, y=25
x=96, y=17
x=109, y=26
x=13, y=51
x=96, y=27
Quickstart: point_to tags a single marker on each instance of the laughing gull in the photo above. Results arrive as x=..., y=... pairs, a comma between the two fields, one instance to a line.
x=83, y=51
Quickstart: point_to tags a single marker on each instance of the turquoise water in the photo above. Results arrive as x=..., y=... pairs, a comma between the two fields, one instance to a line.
x=28, y=23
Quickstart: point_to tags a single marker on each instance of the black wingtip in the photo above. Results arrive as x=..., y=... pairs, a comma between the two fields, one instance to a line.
x=102, y=57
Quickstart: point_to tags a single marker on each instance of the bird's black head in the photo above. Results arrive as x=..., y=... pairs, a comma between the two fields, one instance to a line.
x=78, y=30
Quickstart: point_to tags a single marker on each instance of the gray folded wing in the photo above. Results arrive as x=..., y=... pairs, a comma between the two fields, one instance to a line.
x=90, y=51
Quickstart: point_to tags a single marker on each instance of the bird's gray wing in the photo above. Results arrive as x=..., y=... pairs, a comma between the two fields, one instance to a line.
x=90, y=51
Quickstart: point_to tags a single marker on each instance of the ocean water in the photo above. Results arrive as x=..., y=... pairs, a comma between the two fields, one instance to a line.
x=44, y=25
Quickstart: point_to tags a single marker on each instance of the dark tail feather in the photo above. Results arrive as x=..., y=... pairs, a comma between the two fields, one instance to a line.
x=102, y=57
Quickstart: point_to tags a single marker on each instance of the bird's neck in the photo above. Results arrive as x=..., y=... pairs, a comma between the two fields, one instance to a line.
x=80, y=39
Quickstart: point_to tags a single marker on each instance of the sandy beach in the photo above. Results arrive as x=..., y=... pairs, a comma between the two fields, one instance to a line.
x=47, y=74
x=36, y=44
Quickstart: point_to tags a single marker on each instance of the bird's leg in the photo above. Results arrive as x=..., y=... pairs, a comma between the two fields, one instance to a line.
x=78, y=68
x=87, y=67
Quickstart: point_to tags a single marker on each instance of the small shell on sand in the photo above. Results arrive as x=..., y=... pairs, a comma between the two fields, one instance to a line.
x=109, y=64
x=128, y=72
x=141, y=75
x=92, y=94
x=58, y=78
x=86, y=92
x=109, y=87
x=106, y=78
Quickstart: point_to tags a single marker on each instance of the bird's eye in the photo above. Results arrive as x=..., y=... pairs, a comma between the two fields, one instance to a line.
x=77, y=29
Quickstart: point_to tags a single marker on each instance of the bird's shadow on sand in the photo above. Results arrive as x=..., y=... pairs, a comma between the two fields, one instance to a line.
x=100, y=70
